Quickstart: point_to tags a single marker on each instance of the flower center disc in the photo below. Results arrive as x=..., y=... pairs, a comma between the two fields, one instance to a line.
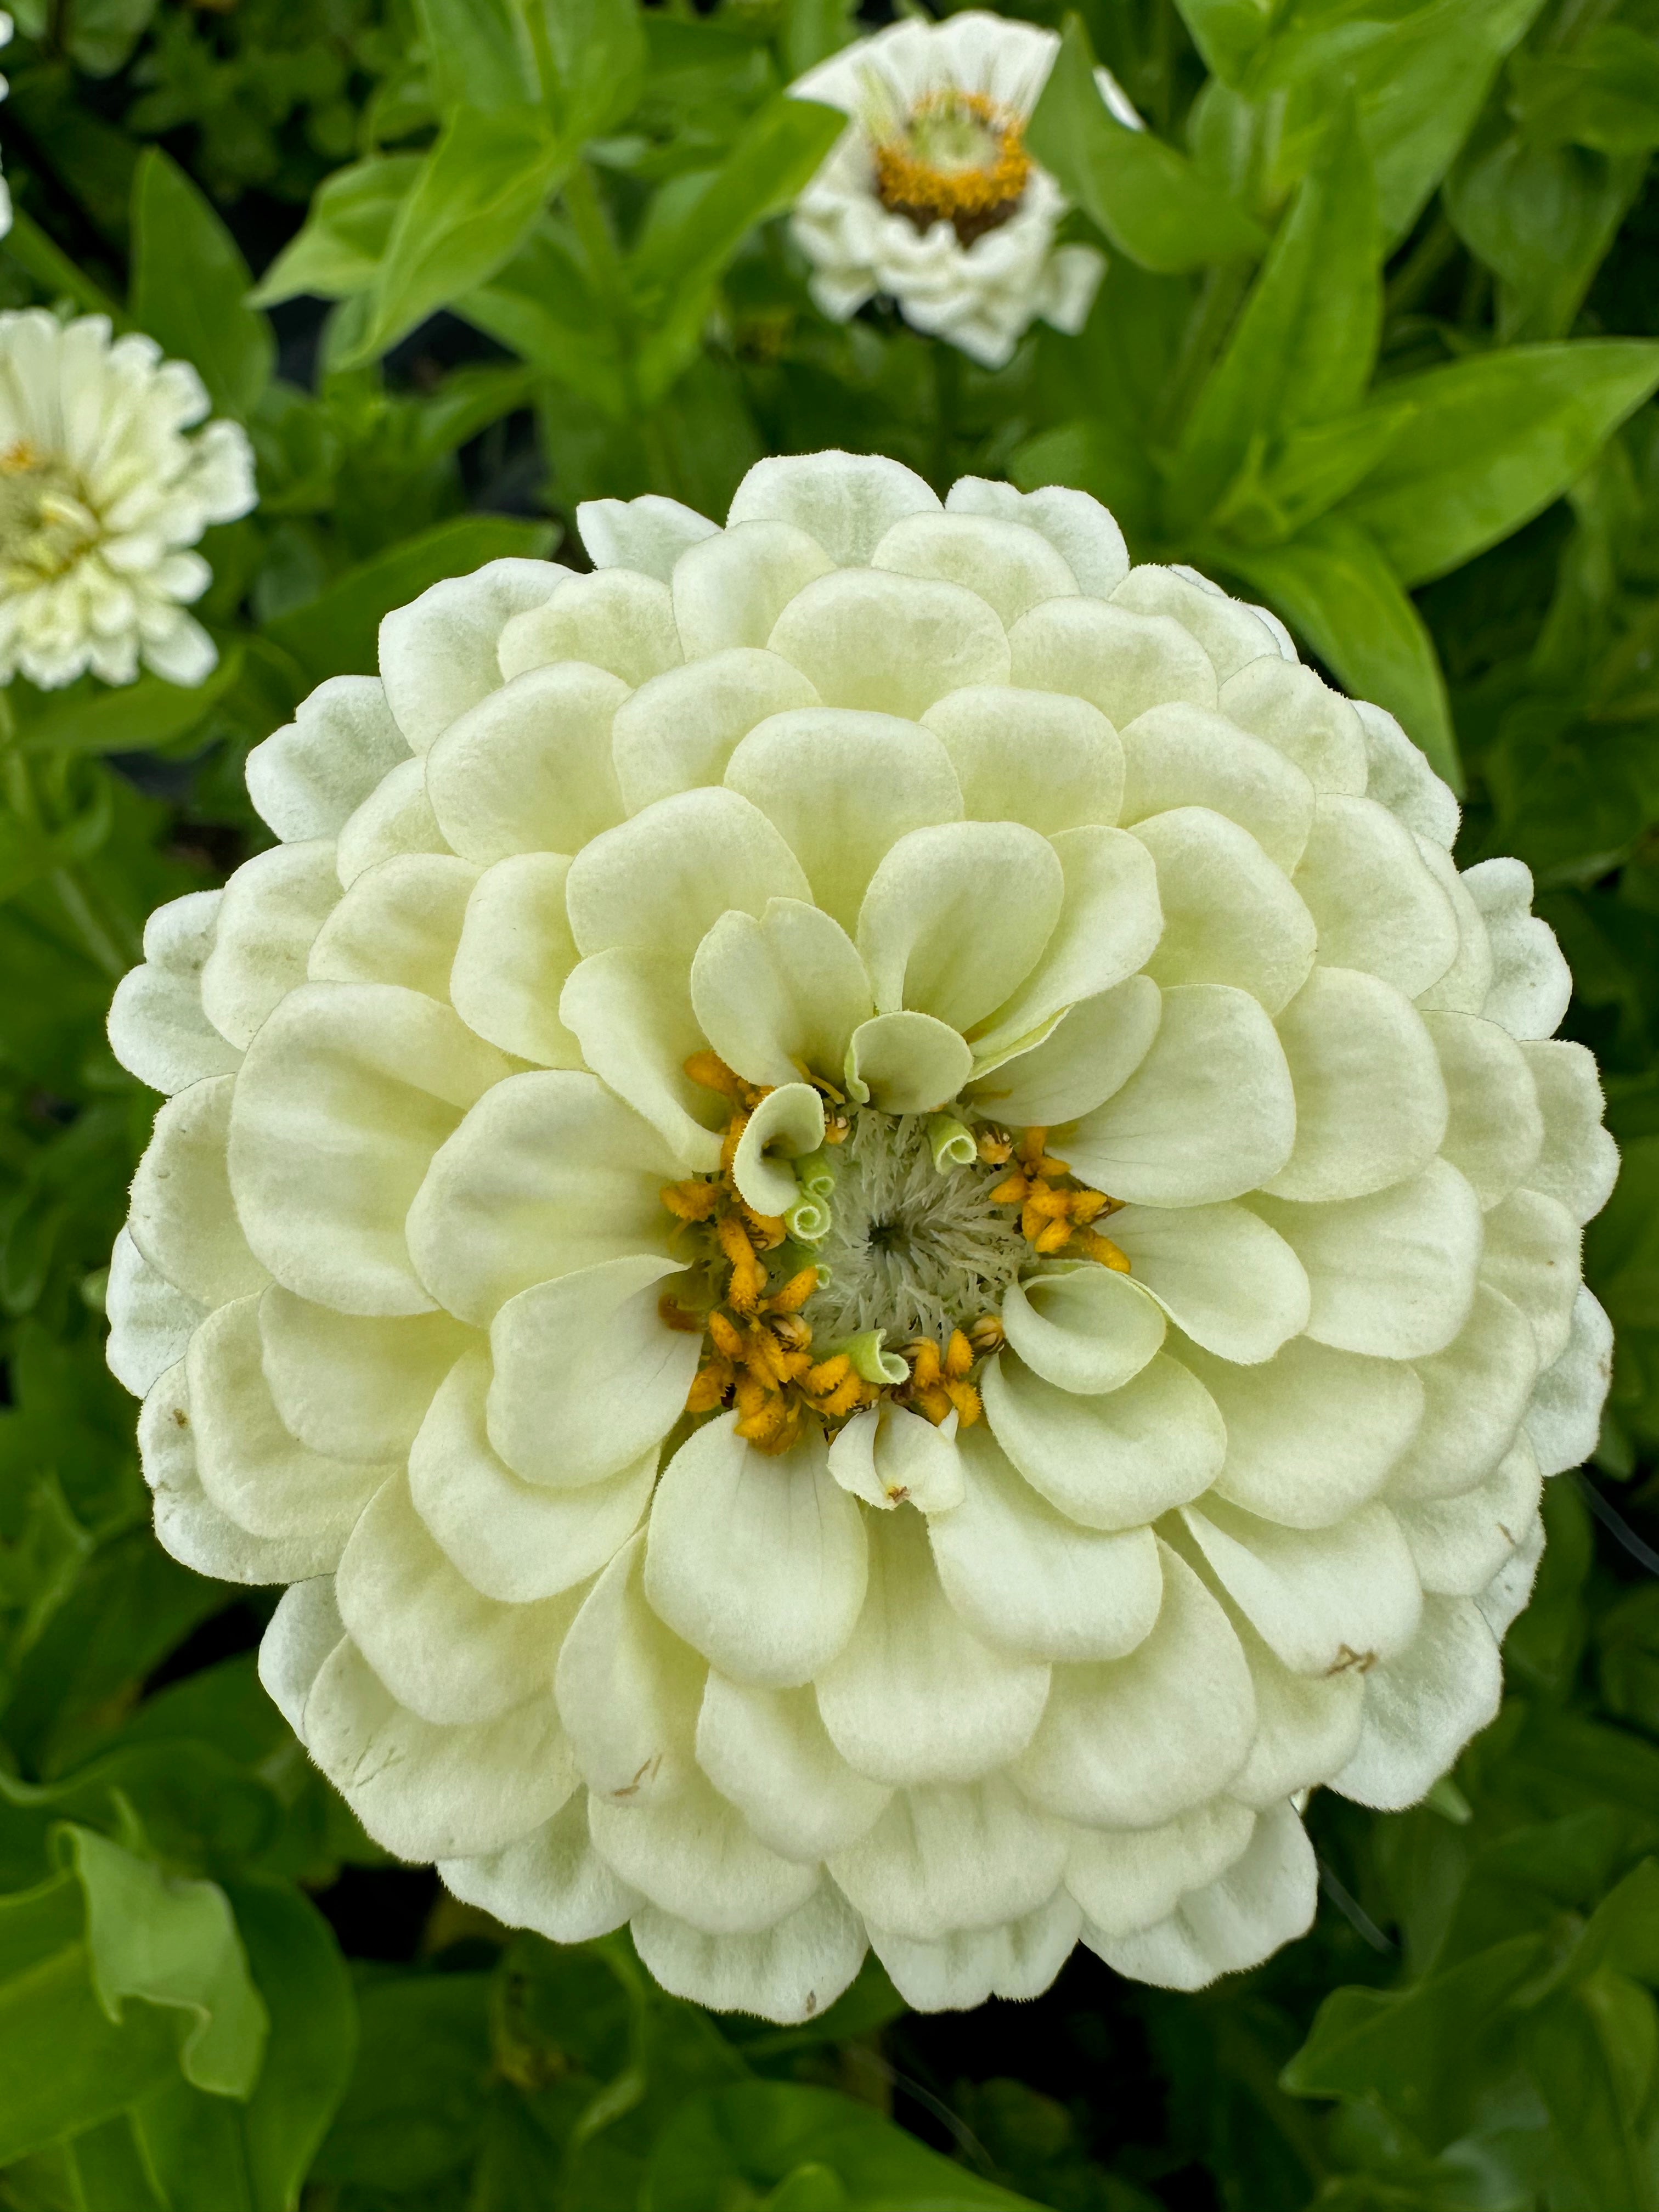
x=956, y=156
x=45, y=525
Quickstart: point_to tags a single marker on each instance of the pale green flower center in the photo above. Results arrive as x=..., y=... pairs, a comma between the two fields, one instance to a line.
x=45, y=524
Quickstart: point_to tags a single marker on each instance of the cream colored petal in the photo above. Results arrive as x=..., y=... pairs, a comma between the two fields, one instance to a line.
x=1532, y=1255
x=1496, y=1129
x=1392, y=1274
x=783, y=993
x=1230, y=634
x=889, y=1456
x=1459, y=1543
x=400, y=922
x=1083, y=1326
x=1127, y=1879
x=272, y=909
x=1229, y=914
x=1422, y=1708
x=150, y=1323
x=549, y=1173
x=1322, y=1599
x=660, y=882
x=1287, y=705
x=787, y=1125
x=1311, y=1433
x=956, y=917
x=1505, y=1596
x=1307, y=1725
x=767, y=1751
x=1033, y=756
x=1399, y=777
x=513, y=1540
x=196, y=1532
x=396, y=817
x=950, y=1858
x=1370, y=1098
x=1016, y=1961
x=698, y=1859
x=847, y=502
x=1132, y=1742
x=631, y=1011
x=1531, y=983
x=756, y=1560
x=157, y=1029
x=338, y=1109
x=1265, y=1899
x=349, y=1385
x=1375, y=901
x=628, y=1689
x=515, y=957
x=250, y=1466
x=894, y=643
x=1115, y=1461
x=588, y=1375
x=438, y=655
x=552, y=1880
x=306, y=779
x=1577, y=1162
x=914, y=1696
x=1093, y=1051
x=676, y=732
x=1078, y=527
x=1121, y=662
x=649, y=533
x=788, y=1974
x=182, y=1220
x=1475, y=1393
x=906, y=1063
x=528, y=770
x=427, y=1791
x=1220, y=1272
x=1109, y=924
x=442, y=1648
x=730, y=590
x=1180, y=756
x=1464, y=987
x=616, y=618
x=301, y=1633
x=1564, y=1418
x=1012, y=566
x=843, y=787
x=1031, y=1581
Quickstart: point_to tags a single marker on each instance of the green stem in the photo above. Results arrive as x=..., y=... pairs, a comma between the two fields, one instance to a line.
x=99, y=944
x=52, y=268
x=1212, y=318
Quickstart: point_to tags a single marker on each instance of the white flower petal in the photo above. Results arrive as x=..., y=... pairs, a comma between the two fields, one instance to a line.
x=396, y=817
x=1577, y=1163
x=847, y=502
x=182, y=1218
x=863, y=638
x=1370, y=1098
x=157, y=1029
x=1422, y=1708
x=631, y=1011
x=353, y=1386
x=528, y=770
x=780, y=993
x=944, y=1858
x=648, y=534
x=888, y=1455
x=1532, y=1254
x=1082, y=1326
x=1459, y=1543
x=1076, y=526
x=1127, y=1879
x=768, y=1752
x=1178, y=756
x=1112, y=1462
x=1474, y=1394
x=150, y=1323
x=906, y=1063
x=1090, y=1053
x=660, y=882
x=1229, y=914
x=1375, y=903
x=956, y=917
x=1266, y=1898
x=1016, y=1961
x=1121, y=662
x=1322, y=1599
x=1531, y=983
x=1011, y=565
x=789, y=1972
x=438, y=655
x=1564, y=1418
x=308, y=778
x=272, y=909
x=1109, y=924
x=1307, y=1725
x=697, y=1858
x=1032, y=756
x=676, y=732
x=1496, y=1129
x=628, y=1690
x=198, y=1533
x=616, y=618
x=552, y=1880
x=1220, y=1272
x=1311, y=724
x=515, y=957
x=1231, y=635
x=1399, y=776
x=730, y=591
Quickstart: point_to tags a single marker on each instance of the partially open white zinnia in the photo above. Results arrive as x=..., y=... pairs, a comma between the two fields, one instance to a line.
x=930, y=196
x=880, y=1235
x=101, y=493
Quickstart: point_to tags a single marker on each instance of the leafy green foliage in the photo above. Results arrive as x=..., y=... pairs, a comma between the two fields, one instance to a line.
x=1376, y=344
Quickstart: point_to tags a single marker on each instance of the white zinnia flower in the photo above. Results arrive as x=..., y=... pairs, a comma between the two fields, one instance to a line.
x=101, y=491
x=931, y=197
x=878, y=1233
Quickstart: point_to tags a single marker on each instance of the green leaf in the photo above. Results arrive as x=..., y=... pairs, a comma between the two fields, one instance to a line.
x=594, y=60
x=1332, y=585
x=414, y=2110
x=1227, y=33
x=344, y=239
x=1496, y=438
x=698, y=223
x=189, y=285
x=1147, y=197
x=1602, y=92
x=478, y=54
x=542, y=306
x=143, y=717
x=1542, y=219
x=797, y=2140
x=112, y=1980
x=335, y=633
x=1303, y=349
x=102, y=34
x=478, y=193
x=1593, y=2055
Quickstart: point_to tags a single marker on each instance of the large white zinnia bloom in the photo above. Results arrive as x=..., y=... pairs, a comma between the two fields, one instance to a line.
x=930, y=196
x=879, y=1234
x=100, y=494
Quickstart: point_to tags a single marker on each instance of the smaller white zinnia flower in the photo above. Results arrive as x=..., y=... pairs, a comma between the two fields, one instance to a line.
x=100, y=493
x=931, y=197
x=6, y=28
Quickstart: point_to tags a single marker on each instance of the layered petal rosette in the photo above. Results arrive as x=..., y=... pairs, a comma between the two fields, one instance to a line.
x=879, y=1236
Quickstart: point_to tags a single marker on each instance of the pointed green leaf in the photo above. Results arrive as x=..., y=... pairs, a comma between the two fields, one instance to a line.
x=190, y=284
x=597, y=52
x=346, y=233
x=478, y=54
x=1147, y=196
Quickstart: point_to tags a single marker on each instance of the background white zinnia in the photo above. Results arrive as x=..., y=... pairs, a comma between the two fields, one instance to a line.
x=880, y=1235
x=100, y=494
x=6, y=29
x=930, y=198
